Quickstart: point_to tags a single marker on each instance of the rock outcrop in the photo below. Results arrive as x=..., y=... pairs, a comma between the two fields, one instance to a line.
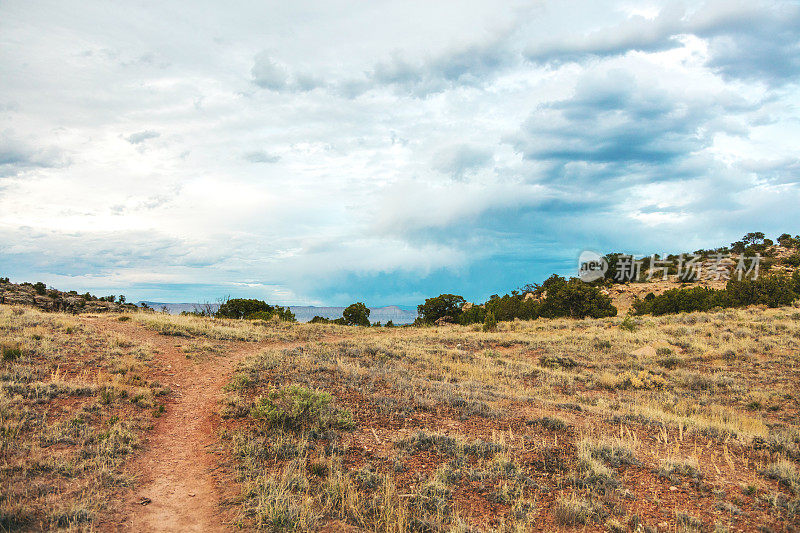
x=55, y=300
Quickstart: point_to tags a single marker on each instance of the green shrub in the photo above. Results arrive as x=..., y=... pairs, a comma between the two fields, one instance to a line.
x=793, y=260
x=473, y=315
x=10, y=352
x=575, y=299
x=786, y=241
x=255, y=309
x=511, y=306
x=490, y=324
x=299, y=408
x=556, y=297
x=772, y=291
x=444, y=305
x=628, y=324
x=680, y=300
x=356, y=314
x=261, y=315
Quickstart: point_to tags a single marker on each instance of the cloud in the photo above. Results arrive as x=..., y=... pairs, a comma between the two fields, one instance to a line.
x=746, y=40
x=634, y=33
x=18, y=155
x=261, y=156
x=268, y=74
x=459, y=159
x=412, y=206
x=305, y=81
x=327, y=154
x=612, y=117
x=472, y=65
x=142, y=136
x=777, y=171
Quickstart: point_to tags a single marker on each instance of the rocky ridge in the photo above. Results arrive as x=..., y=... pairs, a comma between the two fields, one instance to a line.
x=54, y=300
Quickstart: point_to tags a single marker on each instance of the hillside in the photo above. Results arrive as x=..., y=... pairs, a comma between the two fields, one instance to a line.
x=48, y=299
x=715, y=274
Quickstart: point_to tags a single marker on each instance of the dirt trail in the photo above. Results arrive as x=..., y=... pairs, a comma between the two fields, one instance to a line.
x=177, y=469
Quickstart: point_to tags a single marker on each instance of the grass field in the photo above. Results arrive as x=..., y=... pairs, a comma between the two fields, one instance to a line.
x=73, y=403
x=675, y=423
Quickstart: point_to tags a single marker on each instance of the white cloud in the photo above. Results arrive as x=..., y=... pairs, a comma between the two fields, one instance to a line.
x=289, y=147
x=268, y=74
x=142, y=136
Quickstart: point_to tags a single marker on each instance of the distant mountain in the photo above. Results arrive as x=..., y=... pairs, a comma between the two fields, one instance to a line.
x=376, y=314
x=304, y=313
x=176, y=309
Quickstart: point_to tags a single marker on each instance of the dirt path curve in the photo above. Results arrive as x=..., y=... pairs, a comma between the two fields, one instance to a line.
x=177, y=468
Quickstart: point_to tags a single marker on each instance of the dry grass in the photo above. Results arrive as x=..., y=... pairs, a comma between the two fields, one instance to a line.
x=548, y=420
x=596, y=424
x=73, y=401
x=218, y=328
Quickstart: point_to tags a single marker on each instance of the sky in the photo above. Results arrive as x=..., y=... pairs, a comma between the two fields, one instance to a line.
x=321, y=153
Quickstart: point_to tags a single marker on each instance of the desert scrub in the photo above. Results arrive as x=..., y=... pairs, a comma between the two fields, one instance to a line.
x=613, y=451
x=537, y=381
x=10, y=351
x=628, y=324
x=687, y=523
x=785, y=441
x=450, y=446
x=629, y=380
x=549, y=422
x=298, y=408
x=577, y=511
x=711, y=420
x=674, y=469
x=786, y=473
x=65, y=422
x=281, y=502
x=558, y=361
